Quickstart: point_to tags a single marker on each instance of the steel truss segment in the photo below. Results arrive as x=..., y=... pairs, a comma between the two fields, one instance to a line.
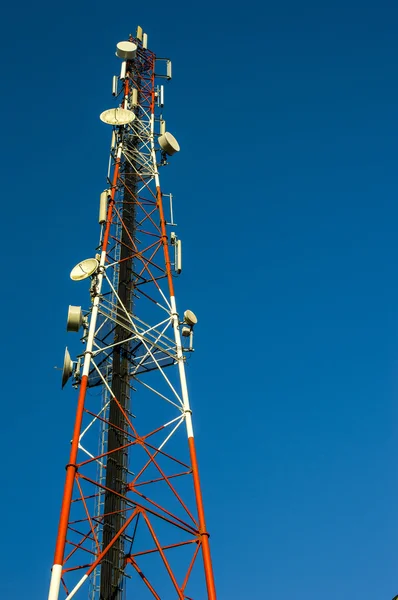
x=114, y=292
x=132, y=504
x=81, y=447
x=136, y=369
x=103, y=409
x=138, y=380
x=133, y=322
x=142, y=439
x=150, y=506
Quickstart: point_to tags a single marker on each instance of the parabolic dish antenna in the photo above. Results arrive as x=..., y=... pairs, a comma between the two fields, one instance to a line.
x=67, y=368
x=190, y=318
x=75, y=318
x=168, y=143
x=126, y=50
x=84, y=269
x=117, y=116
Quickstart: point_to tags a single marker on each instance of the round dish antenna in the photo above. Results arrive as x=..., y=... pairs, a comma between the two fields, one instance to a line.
x=190, y=318
x=67, y=368
x=75, y=318
x=168, y=143
x=126, y=50
x=84, y=269
x=117, y=116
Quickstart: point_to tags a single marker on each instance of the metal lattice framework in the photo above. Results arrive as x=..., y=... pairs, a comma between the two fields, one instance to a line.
x=132, y=514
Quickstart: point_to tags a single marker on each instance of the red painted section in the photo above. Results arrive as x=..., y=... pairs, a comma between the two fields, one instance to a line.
x=70, y=477
x=165, y=241
x=211, y=588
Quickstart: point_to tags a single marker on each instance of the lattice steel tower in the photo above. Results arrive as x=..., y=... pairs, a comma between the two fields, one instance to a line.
x=132, y=521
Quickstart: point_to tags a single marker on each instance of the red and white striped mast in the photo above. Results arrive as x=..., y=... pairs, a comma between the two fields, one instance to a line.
x=132, y=515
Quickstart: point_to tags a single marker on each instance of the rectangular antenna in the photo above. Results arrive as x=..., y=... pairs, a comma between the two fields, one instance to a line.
x=168, y=68
x=123, y=70
x=170, y=197
x=161, y=101
x=171, y=209
x=139, y=33
x=178, y=257
x=103, y=207
x=114, y=85
x=162, y=126
x=134, y=97
x=145, y=40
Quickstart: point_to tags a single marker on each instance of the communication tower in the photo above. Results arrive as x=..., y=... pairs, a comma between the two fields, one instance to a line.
x=132, y=521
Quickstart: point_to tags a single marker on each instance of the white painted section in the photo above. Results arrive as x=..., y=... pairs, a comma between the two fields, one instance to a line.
x=77, y=587
x=153, y=151
x=55, y=582
x=94, y=315
x=174, y=317
x=181, y=369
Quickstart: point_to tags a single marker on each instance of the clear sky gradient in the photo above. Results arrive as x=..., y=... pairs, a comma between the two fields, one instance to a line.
x=286, y=196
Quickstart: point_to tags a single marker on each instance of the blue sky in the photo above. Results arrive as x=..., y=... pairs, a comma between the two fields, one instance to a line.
x=286, y=196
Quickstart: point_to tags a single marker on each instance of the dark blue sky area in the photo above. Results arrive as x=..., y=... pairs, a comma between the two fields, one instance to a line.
x=286, y=196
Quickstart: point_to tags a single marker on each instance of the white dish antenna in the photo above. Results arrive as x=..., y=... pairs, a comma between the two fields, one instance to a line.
x=67, y=368
x=75, y=318
x=117, y=116
x=126, y=50
x=190, y=318
x=168, y=143
x=84, y=269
